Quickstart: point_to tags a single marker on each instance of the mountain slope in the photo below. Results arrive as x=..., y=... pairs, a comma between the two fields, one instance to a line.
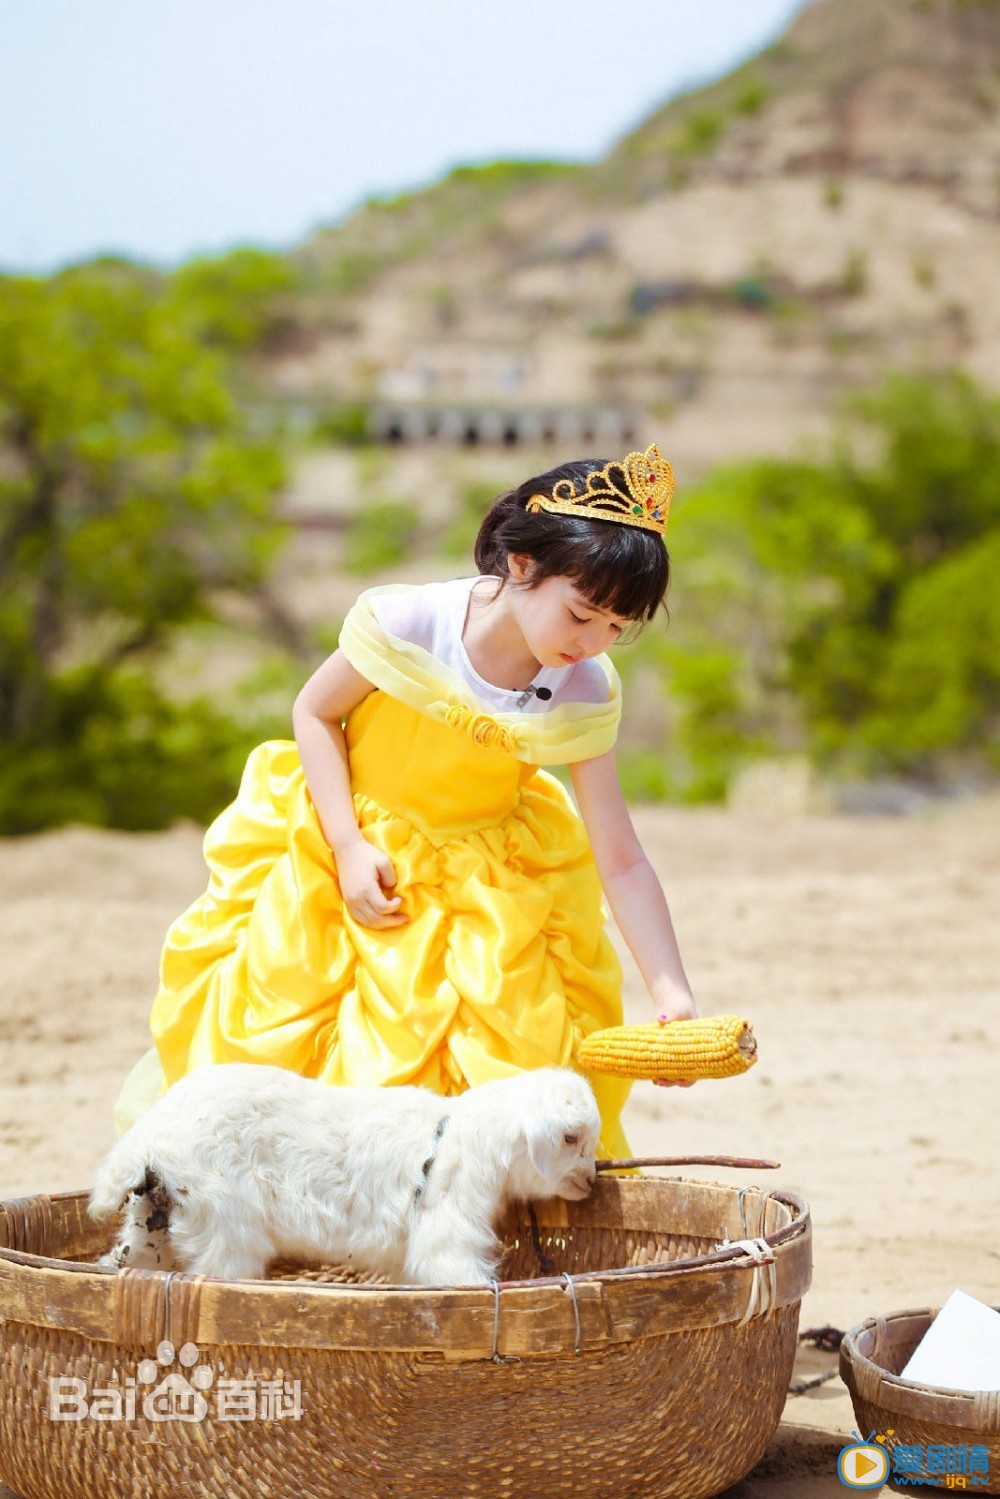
x=828, y=210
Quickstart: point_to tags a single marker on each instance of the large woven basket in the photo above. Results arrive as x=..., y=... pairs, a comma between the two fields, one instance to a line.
x=905, y=1413
x=623, y=1353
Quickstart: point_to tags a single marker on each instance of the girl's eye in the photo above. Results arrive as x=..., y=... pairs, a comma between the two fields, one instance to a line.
x=577, y=620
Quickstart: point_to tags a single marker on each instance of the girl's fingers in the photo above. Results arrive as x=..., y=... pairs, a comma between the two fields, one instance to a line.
x=665, y=1019
x=368, y=915
x=383, y=903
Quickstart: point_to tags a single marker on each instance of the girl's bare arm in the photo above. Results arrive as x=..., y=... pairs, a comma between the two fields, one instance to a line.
x=630, y=883
x=317, y=718
x=365, y=873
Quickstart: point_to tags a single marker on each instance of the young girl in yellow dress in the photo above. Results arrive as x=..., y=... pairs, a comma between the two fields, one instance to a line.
x=403, y=894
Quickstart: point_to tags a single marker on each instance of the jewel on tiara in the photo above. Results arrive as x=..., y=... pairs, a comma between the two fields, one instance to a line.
x=635, y=490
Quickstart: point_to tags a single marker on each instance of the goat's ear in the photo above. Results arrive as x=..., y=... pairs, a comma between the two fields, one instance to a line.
x=544, y=1140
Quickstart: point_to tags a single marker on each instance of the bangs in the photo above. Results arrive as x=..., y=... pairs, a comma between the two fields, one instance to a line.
x=625, y=574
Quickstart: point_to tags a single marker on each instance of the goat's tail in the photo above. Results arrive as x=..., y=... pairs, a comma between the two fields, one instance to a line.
x=126, y=1168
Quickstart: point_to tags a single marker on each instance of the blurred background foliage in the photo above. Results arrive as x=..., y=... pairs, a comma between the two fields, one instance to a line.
x=849, y=608
x=133, y=494
x=842, y=607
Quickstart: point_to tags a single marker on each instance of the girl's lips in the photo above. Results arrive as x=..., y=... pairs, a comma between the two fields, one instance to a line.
x=574, y=659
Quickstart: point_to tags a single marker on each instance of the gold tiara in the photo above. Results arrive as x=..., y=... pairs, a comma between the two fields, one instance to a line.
x=635, y=491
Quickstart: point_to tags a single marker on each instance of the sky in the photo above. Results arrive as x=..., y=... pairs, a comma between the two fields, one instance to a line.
x=161, y=129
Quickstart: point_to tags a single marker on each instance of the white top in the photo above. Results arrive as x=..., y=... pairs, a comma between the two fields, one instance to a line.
x=433, y=616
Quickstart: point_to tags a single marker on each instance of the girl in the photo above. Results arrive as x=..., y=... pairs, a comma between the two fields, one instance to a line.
x=403, y=895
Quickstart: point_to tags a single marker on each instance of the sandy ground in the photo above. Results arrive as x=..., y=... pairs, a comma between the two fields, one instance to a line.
x=865, y=951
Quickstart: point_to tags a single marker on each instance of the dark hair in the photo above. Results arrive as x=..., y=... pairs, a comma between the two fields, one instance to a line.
x=624, y=569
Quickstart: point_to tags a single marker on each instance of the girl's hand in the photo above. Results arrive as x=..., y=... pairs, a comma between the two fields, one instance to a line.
x=363, y=870
x=680, y=1008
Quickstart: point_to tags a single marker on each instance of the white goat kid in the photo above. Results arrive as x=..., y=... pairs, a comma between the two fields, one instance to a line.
x=239, y=1164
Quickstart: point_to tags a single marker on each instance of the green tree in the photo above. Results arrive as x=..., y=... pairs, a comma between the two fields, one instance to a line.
x=130, y=493
x=856, y=597
x=939, y=688
x=918, y=470
x=233, y=300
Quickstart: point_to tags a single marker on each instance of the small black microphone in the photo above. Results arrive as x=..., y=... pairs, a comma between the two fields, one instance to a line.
x=542, y=693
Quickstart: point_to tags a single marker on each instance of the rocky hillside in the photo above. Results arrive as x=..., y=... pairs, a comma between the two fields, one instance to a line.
x=829, y=210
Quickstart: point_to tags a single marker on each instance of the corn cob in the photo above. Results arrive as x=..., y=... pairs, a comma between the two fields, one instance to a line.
x=680, y=1051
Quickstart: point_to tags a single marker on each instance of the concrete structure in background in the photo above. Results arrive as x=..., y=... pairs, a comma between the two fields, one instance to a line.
x=493, y=426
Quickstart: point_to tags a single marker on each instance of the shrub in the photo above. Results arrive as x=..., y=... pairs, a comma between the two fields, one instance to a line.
x=380, y=536
x=859, y=594
x=347, y=424
x=133, y=491
x=752, y=97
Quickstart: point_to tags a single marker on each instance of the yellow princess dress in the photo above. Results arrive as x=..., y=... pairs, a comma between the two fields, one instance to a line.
x=504, y=963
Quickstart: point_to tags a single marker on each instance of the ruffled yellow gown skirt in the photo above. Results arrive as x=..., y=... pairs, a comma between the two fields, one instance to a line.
x=503, y=965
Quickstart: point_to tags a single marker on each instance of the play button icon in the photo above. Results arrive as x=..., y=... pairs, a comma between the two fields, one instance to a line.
x=863, y=1466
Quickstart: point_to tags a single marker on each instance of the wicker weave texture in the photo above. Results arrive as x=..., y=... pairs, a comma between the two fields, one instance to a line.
x=910, y=1414
x=418, y=1394
x=403, y=1424
x=907, y=1432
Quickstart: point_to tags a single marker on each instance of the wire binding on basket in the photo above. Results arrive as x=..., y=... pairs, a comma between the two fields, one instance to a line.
x=166, y=1307
x=987, y=1410
x=763, y=1296
x=496, y=1356
x=576, y=1309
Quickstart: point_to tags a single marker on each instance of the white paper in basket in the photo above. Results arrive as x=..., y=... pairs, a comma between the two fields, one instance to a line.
x=961, y=1348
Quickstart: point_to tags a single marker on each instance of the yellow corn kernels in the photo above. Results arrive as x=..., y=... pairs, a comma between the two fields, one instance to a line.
x=679, y=1051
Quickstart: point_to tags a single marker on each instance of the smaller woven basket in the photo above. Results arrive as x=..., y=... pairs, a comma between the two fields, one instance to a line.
x=907, y=1414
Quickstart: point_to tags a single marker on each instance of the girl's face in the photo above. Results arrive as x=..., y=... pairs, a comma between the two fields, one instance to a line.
x=559, y=625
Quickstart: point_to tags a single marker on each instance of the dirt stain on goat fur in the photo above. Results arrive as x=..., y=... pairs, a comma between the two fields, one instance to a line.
x=158, y=1199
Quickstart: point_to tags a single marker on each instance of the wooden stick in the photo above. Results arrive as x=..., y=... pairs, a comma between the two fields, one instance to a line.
x=690, y=1160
